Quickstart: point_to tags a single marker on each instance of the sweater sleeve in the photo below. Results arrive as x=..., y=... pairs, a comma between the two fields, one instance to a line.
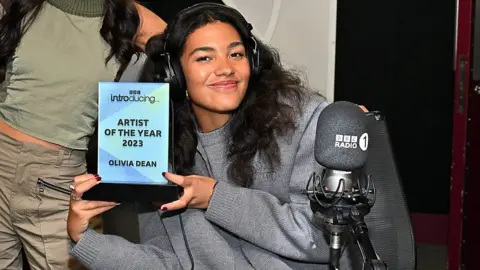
x=103, y=252
x=262, y=219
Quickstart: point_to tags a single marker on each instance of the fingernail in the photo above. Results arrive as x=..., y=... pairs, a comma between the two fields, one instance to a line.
x=164, y=208
x=164, y=173
x=98, y=177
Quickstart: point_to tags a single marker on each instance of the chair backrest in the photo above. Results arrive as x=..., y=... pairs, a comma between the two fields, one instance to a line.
x=394, y=241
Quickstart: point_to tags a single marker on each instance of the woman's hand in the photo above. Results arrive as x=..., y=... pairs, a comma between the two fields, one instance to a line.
x=82, y=211
x=197, y=191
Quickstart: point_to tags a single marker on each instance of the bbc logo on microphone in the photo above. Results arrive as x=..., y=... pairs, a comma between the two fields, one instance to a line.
x=351, y=141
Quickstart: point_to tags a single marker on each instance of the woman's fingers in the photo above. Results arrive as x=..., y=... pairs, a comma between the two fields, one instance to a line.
x=175, y=178
x=90, y=205
x=84, y=177
x=363, y=108
x=88, y=209
x=84, y=186
x=178, y=204
x=100, y=210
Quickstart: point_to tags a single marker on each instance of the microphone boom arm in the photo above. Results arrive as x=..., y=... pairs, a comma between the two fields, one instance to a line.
x=359, y=230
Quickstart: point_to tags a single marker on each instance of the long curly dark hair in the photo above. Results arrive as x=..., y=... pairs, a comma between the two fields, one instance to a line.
x=120, y=24
x=270, y=108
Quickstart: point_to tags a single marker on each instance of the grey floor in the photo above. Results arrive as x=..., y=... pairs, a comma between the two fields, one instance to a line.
x=431, y=257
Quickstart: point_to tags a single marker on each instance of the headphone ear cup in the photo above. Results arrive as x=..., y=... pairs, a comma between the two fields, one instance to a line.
x=180, y=83
x=255, y=69
x=177, y=85
x=158, y=66
x=167, y=71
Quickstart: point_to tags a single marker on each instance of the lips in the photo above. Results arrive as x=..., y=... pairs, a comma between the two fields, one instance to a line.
x=224, y=84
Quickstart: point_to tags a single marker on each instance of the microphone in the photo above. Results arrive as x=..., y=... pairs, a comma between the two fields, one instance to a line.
x=343, y=194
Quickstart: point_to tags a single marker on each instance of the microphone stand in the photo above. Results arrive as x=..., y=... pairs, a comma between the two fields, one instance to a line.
x=371, y=260
x=341, y=212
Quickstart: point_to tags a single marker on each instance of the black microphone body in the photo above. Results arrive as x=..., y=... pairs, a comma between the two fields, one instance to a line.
x=342, y=195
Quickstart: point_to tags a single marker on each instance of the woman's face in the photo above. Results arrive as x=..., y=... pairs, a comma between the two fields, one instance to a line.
x=216, y=68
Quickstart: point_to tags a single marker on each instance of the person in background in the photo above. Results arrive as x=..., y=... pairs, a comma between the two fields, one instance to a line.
x=243, y=152
x=52, y=55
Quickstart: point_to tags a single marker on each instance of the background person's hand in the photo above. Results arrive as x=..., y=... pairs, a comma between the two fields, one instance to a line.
x=197, y=191
x=82, y=211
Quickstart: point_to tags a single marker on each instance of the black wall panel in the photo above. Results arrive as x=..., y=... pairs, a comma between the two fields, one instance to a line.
x=397, y=57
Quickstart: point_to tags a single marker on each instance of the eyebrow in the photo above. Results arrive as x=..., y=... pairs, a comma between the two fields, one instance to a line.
x=210, y=49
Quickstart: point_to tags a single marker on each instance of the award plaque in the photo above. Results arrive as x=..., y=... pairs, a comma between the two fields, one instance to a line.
x=133, y=143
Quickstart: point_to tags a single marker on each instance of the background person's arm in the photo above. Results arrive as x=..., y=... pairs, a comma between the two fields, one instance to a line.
x=150, y=25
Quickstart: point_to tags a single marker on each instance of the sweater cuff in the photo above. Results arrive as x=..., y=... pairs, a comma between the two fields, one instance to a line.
x=222, y=206
x=87, y=248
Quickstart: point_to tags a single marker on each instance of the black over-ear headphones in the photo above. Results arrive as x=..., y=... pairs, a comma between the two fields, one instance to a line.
x=170, y=71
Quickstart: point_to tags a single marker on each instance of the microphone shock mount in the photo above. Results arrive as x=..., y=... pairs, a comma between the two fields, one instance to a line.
x=339, y=206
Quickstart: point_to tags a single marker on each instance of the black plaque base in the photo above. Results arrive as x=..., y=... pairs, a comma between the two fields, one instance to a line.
x=133, y=193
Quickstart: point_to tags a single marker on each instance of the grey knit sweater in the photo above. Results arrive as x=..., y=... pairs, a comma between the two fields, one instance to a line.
x=267, y=226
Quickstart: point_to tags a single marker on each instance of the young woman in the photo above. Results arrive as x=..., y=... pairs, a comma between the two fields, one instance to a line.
x=52, y=55
x=244, y=149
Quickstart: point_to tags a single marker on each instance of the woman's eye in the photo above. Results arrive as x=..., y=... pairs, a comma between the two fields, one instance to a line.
x=203, y=59
x=237, y=55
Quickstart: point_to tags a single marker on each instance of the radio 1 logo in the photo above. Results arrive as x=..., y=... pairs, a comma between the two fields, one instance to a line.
x=351, y=141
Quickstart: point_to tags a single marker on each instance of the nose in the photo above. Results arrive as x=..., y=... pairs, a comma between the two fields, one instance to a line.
x=224, y=67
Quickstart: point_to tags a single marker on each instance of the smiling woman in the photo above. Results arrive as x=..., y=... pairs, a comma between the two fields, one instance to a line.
x=218, y=72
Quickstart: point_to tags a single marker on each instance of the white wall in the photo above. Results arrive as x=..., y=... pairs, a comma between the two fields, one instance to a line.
x=304, y=31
